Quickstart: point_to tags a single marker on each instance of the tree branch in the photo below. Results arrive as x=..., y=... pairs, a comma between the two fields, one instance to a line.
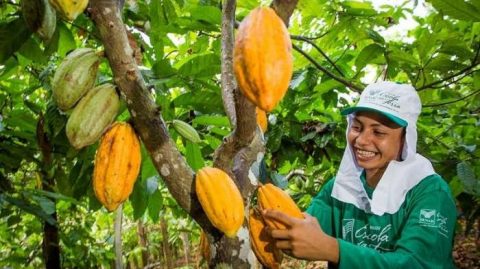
x=453, y=101
x=309, y=41
x=146, y=117
x=474, y=63
x=328, y=72
x=227, y=78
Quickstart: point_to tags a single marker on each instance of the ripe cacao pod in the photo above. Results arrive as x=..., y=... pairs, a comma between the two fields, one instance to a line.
x=69, y=9
x=93, y=114
x=220, y=199
x=262, y=58
x=117, y=164
x=40, y=17
x=75, y=75
x=263, y=244
x=187, y=131
x=272, y=197
x=262, y=119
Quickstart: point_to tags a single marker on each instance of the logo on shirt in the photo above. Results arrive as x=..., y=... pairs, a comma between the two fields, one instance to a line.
x=376, y=237
x=432, y=218
x=427, y=217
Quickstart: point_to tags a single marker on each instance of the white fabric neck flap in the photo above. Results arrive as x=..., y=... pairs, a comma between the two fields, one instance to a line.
x=403, y=102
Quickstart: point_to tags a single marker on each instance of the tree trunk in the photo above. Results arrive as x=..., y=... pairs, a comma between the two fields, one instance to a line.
x=118, y=237
x=50, y=244
x=143, y=242
x=167, y=253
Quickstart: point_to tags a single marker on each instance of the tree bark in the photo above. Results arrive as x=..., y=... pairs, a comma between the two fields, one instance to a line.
x=167, y=253
x=118, y=237
x=51, y=243
x=143, y=242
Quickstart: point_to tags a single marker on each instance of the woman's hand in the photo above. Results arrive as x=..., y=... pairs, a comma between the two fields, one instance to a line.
x=303, y=238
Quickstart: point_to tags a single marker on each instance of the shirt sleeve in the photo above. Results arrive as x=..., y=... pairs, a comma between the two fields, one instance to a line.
x=425, y=241
x=321, y=208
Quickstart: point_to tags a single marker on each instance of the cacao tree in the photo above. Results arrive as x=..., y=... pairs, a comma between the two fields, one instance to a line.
x=171, y=61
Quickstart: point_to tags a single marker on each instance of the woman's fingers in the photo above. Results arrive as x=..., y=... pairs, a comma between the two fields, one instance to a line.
x=279, y=216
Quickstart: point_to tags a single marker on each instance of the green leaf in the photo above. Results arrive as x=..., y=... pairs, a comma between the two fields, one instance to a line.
x=199, y=65
x=467, y=177
x=209, y=14
x=32, y=51
x=139, y=199
x=216, y=120
x=163, y=69
x=194, y=156
x=17, y=33
x=66, y=41
x=457, y=9
x=205, y=101
x=30, y=208
x=357, y=8
x=155, y=204
x=367, y=55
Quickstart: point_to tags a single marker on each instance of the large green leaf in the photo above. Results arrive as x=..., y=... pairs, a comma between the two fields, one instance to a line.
x=199, y=65
x=17, y=33
x=466, y=175
x=194, y=156
x=458, y=9
x=368, y=54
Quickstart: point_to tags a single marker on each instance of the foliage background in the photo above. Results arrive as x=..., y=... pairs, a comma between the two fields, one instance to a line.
x=179, y=42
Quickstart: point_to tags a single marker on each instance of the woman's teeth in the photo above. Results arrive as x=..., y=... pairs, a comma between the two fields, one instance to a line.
x=364, y=153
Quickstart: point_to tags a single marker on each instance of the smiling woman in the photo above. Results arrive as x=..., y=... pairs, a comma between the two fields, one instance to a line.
x=386, y=207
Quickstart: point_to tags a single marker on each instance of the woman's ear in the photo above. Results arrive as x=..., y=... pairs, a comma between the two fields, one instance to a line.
x=402, y=143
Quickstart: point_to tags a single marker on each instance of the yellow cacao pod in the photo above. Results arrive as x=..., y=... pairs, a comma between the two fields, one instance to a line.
x=272, y=197
x=75, y=75
x=92, y=115
x=117, y=164
x=262, y=119
x=262, y=58
x=263, y=244
x=69, y=9
x=220, y=199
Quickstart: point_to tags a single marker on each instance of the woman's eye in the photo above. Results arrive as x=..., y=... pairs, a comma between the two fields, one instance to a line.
x=355, y=128
x=379, y=133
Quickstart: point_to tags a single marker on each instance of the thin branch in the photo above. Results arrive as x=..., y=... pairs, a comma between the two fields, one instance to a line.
x=228, y=81
x=297, y=37
x=453, y=101
x=328, y=72
x=464, y=70
x=455, y=80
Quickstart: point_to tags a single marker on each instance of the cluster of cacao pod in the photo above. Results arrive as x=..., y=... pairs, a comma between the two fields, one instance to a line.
x=94, y=108
x=220, y=199
x=262, y=58
x=269, y=196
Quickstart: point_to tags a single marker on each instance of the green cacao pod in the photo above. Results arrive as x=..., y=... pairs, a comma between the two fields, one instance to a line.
x=93, y=114
x=69, y=9
x=186, y=130
x=75, y=75
x=40, y=17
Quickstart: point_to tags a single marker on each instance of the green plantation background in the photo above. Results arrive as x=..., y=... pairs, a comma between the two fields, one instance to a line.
x=178, y=47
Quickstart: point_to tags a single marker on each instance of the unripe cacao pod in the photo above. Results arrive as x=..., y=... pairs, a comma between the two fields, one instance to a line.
x=93, y=114
x=272, y=197
x=69, y=9
x=262, y=119
x=262, y=58
x=186, y=130
x=263, y=245
x=40, y=17
x=220, y=199
x=117, y=164
x=75, y=75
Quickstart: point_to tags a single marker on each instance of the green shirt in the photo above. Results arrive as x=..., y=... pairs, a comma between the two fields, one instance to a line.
x=418, y=235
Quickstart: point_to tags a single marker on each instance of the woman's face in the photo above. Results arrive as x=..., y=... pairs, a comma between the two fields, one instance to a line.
x=375, y=140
